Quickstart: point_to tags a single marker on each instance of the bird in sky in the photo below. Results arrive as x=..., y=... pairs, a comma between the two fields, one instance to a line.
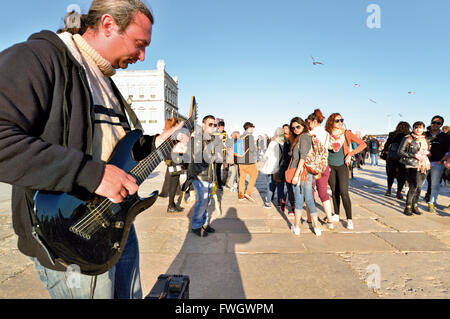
x=356, y=85
x=373, y=101
x=315, y=62
x=410, y=92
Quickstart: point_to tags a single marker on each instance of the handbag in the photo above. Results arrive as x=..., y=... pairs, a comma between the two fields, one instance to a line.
x=289, y=173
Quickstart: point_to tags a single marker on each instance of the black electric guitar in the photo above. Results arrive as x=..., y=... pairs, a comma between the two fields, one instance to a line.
x=92, y=232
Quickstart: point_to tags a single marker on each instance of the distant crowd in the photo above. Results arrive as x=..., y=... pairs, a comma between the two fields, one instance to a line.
x=304, y=156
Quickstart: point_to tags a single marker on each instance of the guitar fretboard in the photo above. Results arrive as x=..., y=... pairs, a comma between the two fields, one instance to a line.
x=148, y=165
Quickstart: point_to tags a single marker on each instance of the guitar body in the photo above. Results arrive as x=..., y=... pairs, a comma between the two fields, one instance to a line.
x=90, y=232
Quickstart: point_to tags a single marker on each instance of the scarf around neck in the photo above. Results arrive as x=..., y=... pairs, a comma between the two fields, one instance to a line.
x=422, y=154
x=337, y=139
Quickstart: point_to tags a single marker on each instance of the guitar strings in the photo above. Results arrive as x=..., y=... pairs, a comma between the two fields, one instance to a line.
x=84, y=225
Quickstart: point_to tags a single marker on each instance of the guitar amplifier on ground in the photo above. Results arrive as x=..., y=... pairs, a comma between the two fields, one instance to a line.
x=170, y=287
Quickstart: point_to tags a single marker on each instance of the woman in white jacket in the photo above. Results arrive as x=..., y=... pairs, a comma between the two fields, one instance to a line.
x=272, y=165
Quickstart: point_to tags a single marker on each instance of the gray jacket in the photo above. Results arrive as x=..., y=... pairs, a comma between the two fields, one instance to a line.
x=250, y=156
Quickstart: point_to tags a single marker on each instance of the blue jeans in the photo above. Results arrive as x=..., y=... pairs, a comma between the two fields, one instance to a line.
x=304, y=193
x=202, y=192
x=435, y=172
x=121, y=282
x=374, y=158
x=270, y=187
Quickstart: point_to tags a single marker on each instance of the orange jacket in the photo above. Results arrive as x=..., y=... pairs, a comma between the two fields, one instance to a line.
x=349, y=138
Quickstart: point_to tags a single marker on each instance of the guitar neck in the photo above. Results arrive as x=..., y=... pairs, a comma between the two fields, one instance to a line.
x=148, y=165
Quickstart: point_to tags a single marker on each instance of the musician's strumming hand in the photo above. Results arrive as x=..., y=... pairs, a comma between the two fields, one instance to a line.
x=116, y=184
x=183, y=138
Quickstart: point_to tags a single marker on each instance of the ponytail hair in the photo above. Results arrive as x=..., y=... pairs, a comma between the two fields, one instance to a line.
x=316, y=116
x=74, y=23
x=122, y=11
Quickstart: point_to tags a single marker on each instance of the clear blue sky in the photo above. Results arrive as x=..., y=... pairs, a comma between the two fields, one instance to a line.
x=250, y=60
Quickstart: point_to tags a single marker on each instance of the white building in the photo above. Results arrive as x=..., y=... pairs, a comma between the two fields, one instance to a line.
x=153, y=95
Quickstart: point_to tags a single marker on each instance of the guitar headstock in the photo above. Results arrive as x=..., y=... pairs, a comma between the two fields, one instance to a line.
x=193, y=113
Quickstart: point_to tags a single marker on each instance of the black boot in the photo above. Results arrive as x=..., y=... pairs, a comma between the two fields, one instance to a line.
x=408, y=210
x=415, y=209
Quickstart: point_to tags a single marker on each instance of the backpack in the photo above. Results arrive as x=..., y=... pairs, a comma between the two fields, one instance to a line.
x=317, y=159
x=393, y=151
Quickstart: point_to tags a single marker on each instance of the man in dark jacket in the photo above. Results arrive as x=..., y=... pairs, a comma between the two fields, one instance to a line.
x=201, y=174
x=61, y=116
x=439, y=147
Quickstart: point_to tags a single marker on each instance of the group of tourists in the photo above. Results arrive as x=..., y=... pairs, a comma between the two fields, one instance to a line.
x=303, y=157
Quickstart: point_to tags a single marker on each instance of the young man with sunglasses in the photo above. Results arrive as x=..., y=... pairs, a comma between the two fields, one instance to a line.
x=439, y=142
x=200, y=173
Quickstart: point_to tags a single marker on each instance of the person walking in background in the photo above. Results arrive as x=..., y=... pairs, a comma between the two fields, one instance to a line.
x=339, y=158
x=222, y=134
x=439, y=144
x=237, y=150
x=285, y=159
x=259, y=147
x=395, y=169
x=413, y=152
x=302, y=180
x=374, y=149
x=247, y=163
x=272, y=165
x=314, y=121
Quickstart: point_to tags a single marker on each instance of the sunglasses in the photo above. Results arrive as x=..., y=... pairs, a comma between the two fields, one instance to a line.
x=436, y=123
x=212, y=125
x=296, y=127
x=339, y=120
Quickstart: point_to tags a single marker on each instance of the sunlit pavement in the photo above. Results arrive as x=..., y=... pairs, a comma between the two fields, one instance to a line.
x=253, y=254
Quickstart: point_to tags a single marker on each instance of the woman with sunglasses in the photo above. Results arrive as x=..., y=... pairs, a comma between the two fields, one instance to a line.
x=302, y=180
x=339, y=158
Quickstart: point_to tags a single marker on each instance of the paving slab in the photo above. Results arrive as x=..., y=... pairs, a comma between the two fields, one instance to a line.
x=339, y=242
x=406, y=275
x=298, y=276
x=413, y=223
x=413, y=241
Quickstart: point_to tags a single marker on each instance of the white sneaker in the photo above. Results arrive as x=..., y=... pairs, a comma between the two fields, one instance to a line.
x=334, y=218
x=317, y=231
x=350, y=224
x=232, y=189
x=330, y=226
x=296, y=231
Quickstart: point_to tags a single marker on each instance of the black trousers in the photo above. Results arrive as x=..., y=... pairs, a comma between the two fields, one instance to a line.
x=415, y=181
x=221, y=182
x=338, y=181
x=173, y=185
x=395, y=170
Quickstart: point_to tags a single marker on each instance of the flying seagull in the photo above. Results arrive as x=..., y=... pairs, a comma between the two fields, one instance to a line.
x=410, y=92
x=372, y=101
x=356, y=85
x=315, y=62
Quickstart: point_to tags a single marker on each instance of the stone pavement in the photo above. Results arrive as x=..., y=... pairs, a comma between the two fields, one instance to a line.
x=253, y=254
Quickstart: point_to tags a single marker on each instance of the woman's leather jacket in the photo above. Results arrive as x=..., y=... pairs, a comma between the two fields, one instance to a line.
x=407, y=151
